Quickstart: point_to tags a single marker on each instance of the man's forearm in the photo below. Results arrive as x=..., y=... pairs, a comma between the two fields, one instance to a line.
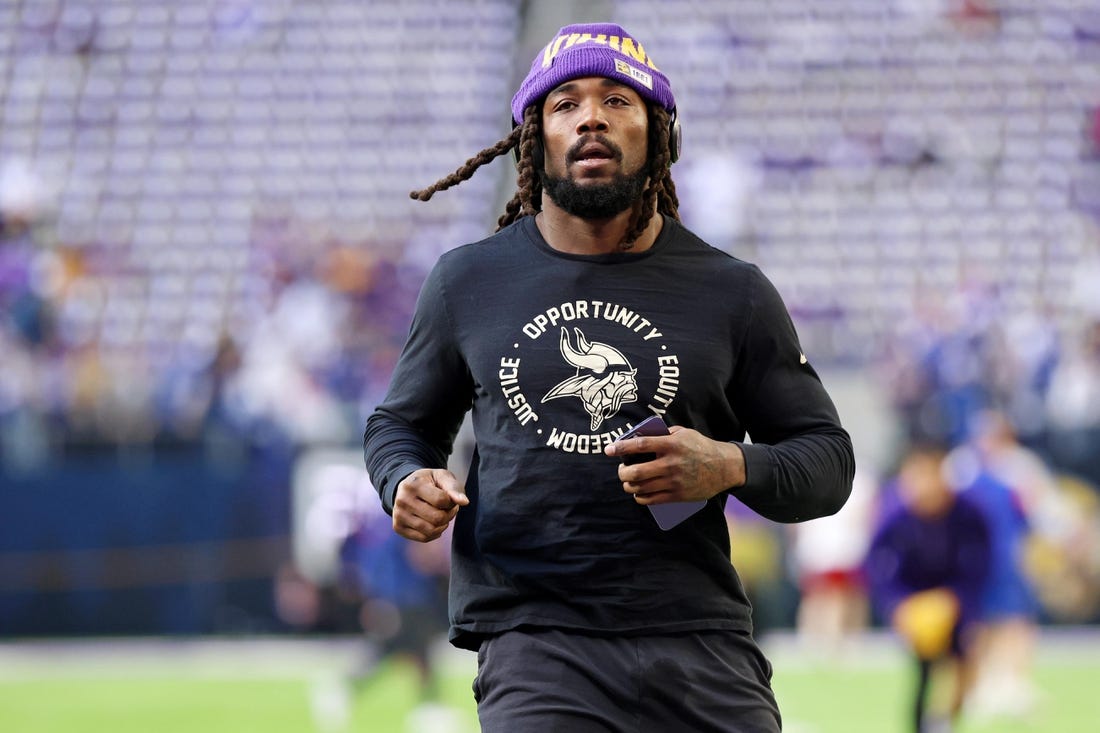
x=802, y=478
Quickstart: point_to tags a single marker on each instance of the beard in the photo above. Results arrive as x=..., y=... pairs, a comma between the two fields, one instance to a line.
x=594, y=200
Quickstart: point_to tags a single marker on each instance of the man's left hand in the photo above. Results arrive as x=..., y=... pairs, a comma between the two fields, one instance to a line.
x=689, y=466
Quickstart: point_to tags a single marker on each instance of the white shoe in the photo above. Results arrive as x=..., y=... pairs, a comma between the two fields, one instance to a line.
x=330, y=703
x=431, y=717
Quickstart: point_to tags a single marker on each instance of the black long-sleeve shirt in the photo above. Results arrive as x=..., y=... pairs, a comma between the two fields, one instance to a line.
x=559, y=354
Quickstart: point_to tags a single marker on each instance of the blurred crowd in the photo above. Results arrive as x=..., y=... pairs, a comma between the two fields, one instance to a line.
x=958, y=359
x=85, y=363
x=308, y=354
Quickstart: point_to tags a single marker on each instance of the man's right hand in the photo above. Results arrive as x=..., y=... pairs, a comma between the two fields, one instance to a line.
x=425, y=503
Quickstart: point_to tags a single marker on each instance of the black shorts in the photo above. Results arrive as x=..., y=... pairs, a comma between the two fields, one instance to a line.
x=553, y=680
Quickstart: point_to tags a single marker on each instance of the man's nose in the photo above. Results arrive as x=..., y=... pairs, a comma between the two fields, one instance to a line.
x=592, y=119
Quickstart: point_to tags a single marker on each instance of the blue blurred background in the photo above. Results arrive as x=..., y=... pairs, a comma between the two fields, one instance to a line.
x=209, y=259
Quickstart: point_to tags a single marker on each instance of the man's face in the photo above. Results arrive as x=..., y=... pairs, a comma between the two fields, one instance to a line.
x=595, y=135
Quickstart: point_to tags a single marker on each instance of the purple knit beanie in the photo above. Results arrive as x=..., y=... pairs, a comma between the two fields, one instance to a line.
x=592, y=49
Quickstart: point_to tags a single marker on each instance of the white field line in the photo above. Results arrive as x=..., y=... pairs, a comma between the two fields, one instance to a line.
x=307, y=658
x=250, y=658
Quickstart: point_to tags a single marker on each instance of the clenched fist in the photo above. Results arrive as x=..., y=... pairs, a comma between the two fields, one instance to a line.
x=425, y=503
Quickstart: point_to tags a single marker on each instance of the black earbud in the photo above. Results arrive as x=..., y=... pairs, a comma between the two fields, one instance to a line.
x=675, y=143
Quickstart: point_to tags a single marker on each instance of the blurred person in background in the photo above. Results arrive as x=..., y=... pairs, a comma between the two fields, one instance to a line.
x=353, y=575
x=403, y=612
x=827, y=562
x=1003, y=645
x=1014, y=488
x=28, y=321
x=1073, y=407
x=927, y=570
x=591, y=309
x=1025, y=504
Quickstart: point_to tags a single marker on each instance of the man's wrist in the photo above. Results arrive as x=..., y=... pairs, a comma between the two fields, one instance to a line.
x=399, y=474
x=735, y=466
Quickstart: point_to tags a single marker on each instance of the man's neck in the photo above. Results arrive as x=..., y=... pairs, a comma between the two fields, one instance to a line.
x=575, y=235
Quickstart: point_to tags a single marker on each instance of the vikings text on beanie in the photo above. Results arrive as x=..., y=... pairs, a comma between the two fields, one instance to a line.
x=592, y=49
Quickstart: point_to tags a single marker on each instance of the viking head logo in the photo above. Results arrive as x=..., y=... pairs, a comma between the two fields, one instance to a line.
x=604, y=379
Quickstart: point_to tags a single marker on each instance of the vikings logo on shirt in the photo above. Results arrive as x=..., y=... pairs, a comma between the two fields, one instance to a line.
x=599, y=380
x=604, y=379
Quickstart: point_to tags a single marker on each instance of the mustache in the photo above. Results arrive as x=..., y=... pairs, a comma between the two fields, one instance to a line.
x=572, y=155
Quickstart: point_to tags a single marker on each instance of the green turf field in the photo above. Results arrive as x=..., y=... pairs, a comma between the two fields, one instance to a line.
x=240, y=687
x=834, y=700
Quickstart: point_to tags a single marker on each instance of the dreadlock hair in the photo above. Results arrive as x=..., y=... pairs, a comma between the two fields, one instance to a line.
x=660, y=192
x=527, y=200
x=659, y=195
x=469, y=167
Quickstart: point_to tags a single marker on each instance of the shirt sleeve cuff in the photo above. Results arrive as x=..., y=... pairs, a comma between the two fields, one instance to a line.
x=759, y=468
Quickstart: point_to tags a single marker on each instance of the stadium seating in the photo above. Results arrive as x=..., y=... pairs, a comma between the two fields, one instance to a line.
x=159, y=133
x=872, y=157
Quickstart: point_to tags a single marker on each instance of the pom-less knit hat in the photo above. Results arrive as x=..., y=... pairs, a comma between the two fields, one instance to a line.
x=592, y=49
